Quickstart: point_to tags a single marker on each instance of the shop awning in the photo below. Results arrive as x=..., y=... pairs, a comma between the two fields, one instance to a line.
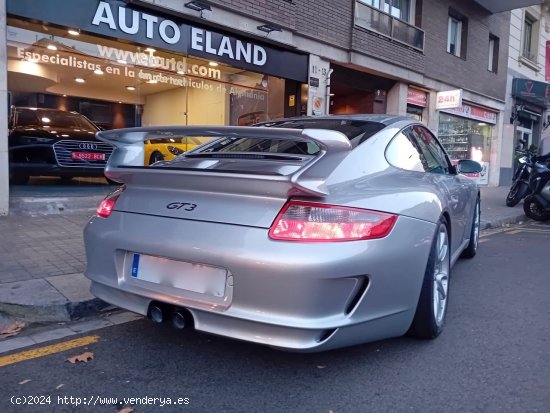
x=532, y=91
x=497, y=6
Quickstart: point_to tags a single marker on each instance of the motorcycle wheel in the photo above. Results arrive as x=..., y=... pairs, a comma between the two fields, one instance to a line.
x=534, y=210
x=518, y=190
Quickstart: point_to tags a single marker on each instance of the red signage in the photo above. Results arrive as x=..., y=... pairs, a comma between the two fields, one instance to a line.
x=417, y=97
x=548, y=60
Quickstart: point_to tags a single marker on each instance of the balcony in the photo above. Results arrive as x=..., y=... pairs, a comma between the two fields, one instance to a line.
x=377, y=21
x=497, y=6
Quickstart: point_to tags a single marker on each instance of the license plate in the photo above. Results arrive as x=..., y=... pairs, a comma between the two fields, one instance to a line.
x=88, y=156
x=198, y=278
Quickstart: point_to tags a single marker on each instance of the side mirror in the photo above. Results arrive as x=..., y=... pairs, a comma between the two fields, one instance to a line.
x=467, y=166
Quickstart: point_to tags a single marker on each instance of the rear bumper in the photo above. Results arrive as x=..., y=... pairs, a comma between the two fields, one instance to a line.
x=299, y=296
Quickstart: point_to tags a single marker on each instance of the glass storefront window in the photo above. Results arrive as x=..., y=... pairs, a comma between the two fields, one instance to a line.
x=117, y=84
x=465, y=138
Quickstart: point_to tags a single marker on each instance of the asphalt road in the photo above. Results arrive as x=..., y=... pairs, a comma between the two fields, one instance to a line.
x=494, y=356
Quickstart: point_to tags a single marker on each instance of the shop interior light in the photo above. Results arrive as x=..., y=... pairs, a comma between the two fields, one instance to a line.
x=122, y=62
x=98, y=72
x=150, y=50
x=270, y=27
x=198, y=5
x=181, y=72
x=130, y=88
x=152, y=82
x=79, y=80
x=52, y=46
x=213, y=64
x=73, y=32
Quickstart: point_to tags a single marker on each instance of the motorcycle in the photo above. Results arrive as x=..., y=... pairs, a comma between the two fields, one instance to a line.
x=520, y=183
x=537, y=204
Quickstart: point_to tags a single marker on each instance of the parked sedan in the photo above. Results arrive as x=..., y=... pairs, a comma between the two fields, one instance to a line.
x=51, y=142
x=304, y=234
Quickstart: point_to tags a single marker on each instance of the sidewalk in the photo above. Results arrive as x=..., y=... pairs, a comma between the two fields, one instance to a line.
x=42, y=256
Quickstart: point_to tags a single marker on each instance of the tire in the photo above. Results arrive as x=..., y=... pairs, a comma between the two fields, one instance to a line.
x=518, y=190
x=429, y=317
x=156, y=157
x=471, y=249
x=534, y=210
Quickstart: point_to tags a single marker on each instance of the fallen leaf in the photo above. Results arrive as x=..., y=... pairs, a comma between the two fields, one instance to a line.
x=126, y=410
x=58, y=387
x=24, y=381
x=84, y=357
x=12, y=329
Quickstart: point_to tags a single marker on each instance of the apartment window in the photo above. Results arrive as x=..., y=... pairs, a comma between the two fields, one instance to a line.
x=528, y=49
x=401, y=9
x=493, y=54
x=457, y=35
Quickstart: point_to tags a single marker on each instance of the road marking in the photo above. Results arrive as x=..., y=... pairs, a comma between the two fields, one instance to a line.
x=481, y=241
x=47, y=350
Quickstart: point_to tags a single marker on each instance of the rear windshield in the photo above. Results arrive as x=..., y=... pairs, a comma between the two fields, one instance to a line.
x=355, y=130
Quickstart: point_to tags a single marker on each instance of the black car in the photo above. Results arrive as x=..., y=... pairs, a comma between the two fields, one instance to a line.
x=51, y=142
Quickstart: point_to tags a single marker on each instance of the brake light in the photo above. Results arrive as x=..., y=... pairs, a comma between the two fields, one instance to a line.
x=107, y=205
x=312, y=222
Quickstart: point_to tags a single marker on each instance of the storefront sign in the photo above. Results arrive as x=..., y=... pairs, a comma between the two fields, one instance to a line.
x=532, y=91
x=448, y=99
x=417, y=97
x=474, y=112
x=115, y=18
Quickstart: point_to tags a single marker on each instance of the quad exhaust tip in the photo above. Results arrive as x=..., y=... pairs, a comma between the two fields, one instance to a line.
x=178, y=320
x=156, y=314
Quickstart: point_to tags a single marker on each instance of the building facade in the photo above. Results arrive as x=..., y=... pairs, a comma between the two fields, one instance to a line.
x=527, y=90
x=129, y=63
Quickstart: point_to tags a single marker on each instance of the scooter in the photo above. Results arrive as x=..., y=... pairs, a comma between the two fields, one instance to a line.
x=520, y=183
x=537, y=204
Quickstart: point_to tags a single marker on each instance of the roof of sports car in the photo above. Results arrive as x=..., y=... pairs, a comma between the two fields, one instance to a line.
x=384, y=119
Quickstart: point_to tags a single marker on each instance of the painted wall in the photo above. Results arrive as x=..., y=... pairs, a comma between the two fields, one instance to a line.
x=182, y=106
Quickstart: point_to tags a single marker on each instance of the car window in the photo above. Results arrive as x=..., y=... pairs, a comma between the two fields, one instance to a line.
x=232, y=144
x=401, y=153
x=27, y=117
x=67, y=120
x=433, y=156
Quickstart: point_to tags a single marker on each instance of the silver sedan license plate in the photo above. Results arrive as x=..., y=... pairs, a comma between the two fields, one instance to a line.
x=198, y=278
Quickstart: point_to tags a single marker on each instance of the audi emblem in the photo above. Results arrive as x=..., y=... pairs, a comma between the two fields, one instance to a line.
x=89, y=146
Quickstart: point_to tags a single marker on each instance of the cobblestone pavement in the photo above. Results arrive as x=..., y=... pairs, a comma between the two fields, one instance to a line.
x=39, y=247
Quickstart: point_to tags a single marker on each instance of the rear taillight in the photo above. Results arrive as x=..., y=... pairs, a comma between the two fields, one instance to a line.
x=311, y=222
x=107, y=205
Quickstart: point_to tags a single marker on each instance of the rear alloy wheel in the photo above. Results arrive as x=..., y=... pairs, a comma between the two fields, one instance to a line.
x=432, y=305
x=156, y=157
x=534, y=210
x=471, y=249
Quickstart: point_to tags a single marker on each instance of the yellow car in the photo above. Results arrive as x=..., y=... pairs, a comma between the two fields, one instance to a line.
x=164, y=149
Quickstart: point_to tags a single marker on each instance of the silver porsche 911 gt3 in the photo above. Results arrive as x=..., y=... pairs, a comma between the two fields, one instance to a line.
x=304, y=234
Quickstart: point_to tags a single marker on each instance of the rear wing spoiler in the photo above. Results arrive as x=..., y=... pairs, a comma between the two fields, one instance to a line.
x=126, y=163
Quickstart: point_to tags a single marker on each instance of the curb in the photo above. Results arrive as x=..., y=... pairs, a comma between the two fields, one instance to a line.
x=53, y=313
x=502, y=222
x=30, y=206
